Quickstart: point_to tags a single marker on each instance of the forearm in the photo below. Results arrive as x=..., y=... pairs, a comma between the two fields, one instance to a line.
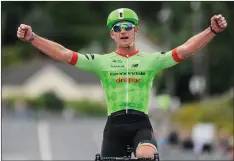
x=195, y=43
x=52, y=49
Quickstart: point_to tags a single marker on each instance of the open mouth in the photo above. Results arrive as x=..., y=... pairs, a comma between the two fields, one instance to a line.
x=124, y=38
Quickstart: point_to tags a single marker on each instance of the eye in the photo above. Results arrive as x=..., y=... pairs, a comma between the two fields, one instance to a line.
x=117, y=28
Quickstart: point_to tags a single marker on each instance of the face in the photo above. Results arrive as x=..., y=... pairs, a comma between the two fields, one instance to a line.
x=123, y=33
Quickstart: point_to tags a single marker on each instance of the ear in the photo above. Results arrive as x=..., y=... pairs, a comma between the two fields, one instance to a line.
x=112, y=35
x=136, y=30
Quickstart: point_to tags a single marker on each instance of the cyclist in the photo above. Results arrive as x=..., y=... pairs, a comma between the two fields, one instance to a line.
x=126, y=76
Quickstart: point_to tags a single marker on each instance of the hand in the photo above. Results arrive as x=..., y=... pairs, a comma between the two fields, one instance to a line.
x=218, y=23
x=24, y=32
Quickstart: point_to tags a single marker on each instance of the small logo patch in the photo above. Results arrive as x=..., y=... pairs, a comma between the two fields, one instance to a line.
x=134, y=65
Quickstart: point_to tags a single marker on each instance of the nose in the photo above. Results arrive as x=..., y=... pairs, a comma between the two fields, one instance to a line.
x=123, y=31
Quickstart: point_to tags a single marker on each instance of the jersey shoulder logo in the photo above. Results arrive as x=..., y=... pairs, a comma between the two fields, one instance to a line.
x=162, y=52
x=90, y=56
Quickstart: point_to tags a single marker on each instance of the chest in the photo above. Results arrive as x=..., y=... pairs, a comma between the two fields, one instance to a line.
x=126, y=64
x=122, y=70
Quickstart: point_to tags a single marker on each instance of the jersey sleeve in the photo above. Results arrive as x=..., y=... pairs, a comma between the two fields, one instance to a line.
x=87, y=62
x=163, y=60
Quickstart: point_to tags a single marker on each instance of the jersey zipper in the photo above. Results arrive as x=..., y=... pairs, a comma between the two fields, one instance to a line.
x=127, y=88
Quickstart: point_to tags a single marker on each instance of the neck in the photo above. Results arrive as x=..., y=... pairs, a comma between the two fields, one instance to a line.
x=127, y=50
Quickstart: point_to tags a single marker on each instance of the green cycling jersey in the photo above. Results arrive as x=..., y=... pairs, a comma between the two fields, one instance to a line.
x=126, y=79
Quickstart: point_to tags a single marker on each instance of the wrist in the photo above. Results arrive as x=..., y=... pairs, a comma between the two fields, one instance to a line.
x=32, y=38
x=212, y=30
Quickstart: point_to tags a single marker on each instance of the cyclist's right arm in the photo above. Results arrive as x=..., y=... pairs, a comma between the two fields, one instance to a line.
x=50, y=48
x=55, y=50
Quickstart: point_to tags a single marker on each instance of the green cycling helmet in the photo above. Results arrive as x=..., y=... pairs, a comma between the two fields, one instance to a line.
x=122, y=14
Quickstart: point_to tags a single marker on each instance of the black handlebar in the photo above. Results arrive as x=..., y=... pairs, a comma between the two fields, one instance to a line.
x=99, y=158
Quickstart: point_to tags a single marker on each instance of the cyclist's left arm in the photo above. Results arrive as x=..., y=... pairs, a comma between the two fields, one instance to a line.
x=173, y=57
x=195, y=43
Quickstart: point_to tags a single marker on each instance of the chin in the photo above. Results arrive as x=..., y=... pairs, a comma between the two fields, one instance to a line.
x=125, y=45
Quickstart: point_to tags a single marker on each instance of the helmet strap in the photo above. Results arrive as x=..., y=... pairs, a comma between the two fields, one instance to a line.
x=133, y=42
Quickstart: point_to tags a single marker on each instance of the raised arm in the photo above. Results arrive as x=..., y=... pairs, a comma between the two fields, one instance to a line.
x=88, y=62
x=197, y=42
x=50, y=48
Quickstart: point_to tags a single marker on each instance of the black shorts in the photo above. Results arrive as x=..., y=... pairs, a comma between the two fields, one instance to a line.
x=130, y=129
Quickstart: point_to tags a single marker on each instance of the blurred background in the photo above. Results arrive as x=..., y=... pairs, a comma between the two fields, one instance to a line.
x=51, y=110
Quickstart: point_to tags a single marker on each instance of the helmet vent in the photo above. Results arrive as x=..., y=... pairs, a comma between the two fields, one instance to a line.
x=121, y=14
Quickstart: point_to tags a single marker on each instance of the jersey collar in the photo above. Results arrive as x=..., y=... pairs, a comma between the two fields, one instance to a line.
x=129, y=55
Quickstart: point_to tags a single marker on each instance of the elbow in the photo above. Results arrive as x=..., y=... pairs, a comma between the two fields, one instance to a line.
x=66, y=55
x=58, y=56
x=188, y=50
x=61, y=55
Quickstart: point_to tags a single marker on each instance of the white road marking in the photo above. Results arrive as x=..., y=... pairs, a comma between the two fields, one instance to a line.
x=44, y=140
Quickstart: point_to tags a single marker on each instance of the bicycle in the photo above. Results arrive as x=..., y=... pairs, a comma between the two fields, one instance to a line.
x=129, y=151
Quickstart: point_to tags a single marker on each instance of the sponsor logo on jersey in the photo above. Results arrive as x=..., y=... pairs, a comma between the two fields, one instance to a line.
x=117, y=66
x=125, y=73
x=117, y=61
x=129, y=80
x=134, y=65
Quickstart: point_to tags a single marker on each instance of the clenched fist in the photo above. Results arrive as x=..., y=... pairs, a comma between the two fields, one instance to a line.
x=218, y=23
x=25, y=32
